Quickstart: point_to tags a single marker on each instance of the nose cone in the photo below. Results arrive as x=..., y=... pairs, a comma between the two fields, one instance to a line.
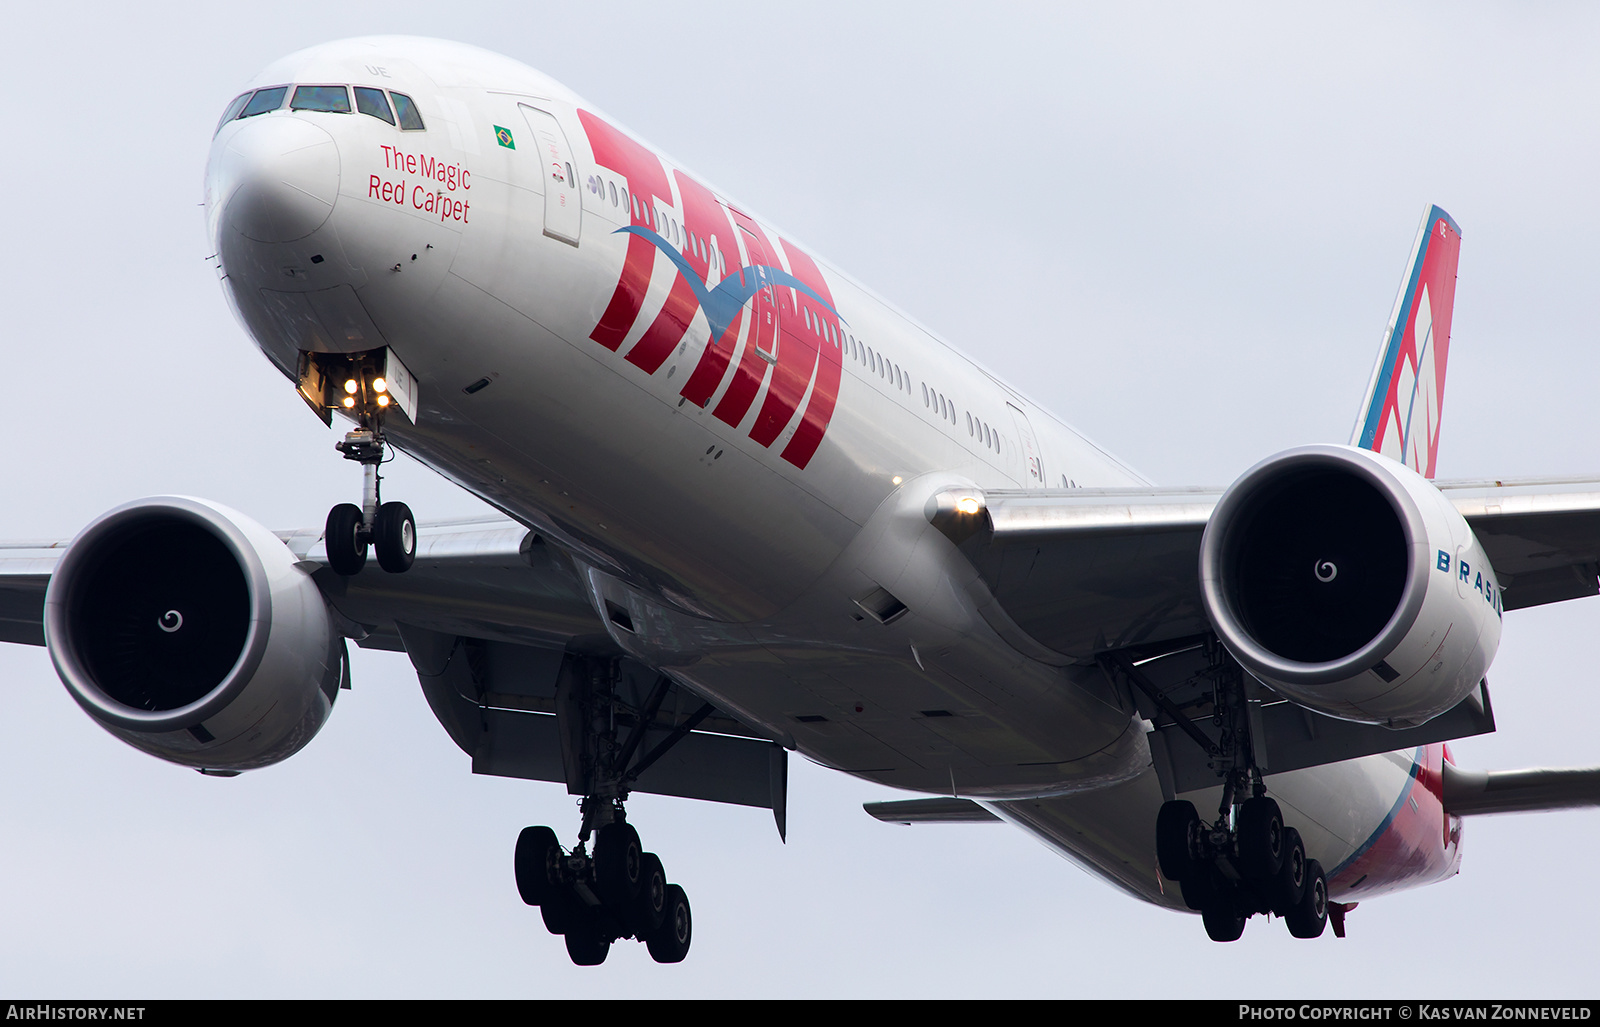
x=275, y=179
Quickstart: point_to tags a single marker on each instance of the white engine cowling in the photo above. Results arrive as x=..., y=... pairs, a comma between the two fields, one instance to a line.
x=1349, y=584
x=187, y=630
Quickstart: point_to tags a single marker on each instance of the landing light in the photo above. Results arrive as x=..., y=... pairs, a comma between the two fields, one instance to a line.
x=967, y=505
x=896, y=479
x=350, y=386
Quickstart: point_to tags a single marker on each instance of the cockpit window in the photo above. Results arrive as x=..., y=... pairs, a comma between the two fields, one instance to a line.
x=233, y=110
x=321, y=98
x=410, y=120
x=265, y=100
x=371, y=101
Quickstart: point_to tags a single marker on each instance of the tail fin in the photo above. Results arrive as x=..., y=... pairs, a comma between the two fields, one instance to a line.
x=1400, y=414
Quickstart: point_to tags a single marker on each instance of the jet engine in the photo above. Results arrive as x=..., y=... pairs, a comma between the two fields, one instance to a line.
x=188, y=631
x=1349, y=584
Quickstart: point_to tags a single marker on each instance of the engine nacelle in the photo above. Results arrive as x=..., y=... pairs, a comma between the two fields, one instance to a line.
x=1349, y=584
x=187, y=630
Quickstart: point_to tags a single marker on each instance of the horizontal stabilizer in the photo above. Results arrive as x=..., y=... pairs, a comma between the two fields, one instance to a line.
x=942, y=810
x=1470, y=792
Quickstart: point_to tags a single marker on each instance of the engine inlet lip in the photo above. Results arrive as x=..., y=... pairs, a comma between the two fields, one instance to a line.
x=80, y=559
x=1216, y=543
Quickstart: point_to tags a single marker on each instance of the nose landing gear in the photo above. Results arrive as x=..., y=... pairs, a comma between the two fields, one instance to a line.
x=366, y=387
x=388, y=528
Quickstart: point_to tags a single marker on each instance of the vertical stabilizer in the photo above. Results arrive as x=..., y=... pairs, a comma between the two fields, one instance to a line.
x=1400, y=414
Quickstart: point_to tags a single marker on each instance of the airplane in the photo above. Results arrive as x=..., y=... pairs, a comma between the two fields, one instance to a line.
x=907, y=571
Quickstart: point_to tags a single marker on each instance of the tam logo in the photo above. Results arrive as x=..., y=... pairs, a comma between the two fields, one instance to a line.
x=781, y=351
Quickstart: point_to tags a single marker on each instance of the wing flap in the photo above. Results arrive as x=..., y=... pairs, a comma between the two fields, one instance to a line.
x=940, y=810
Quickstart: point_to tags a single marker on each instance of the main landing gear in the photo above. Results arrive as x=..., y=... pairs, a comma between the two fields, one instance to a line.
x=388, y=528
x=607, y=887
x=1246, y=861
x=619, y=891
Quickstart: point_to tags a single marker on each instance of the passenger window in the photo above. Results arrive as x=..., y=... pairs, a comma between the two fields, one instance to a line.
x=410, y=119
x=265, y=100
x=333, y=99
x=233, y=110
x=371, y=101
x=613, y=187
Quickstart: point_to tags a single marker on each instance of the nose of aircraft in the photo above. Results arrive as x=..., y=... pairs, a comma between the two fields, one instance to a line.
x=275, y=179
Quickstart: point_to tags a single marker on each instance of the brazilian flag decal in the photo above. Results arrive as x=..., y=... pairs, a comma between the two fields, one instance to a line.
x=503, y=137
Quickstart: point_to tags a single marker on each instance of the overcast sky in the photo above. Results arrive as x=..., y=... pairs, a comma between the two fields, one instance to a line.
x=1180, y=228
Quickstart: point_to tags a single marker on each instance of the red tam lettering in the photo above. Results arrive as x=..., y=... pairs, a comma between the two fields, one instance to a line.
x=763, y=330
x=830, y=366
x=647, y=181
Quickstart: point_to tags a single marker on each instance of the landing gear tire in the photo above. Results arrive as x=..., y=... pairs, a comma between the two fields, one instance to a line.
x=670, y=942
x=1201, y=888
x=1309, y=916
x=1223, y=921
x=1175, y=826
x=1290, y=882
x=394, y=537
x=538, y=853
x=347, y=553
x=586, y=944
x=618, y=864
x=649, y=909
x=1260, y=838
x=560, y=911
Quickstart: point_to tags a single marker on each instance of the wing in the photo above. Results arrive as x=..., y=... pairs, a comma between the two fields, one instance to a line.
x=1111, y=577
x=25, y=569
x=1087, y=571
x=1541, y=535
x=501, y=631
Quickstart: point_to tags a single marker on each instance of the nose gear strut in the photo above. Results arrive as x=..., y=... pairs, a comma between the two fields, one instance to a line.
x=388, y=528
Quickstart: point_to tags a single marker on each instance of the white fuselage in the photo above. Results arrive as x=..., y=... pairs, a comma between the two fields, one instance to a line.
x=554, y=286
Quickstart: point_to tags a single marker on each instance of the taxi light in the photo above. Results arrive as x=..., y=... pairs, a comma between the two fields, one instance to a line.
x=379, y=385
x=967, y=505
x=349, y=401
x=383, y=401
x=350, y=386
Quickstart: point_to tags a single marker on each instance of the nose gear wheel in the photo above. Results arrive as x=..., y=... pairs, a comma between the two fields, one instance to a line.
x=388, y=528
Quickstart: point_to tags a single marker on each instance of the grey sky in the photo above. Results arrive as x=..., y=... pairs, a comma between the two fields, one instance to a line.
x=1180, y=228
